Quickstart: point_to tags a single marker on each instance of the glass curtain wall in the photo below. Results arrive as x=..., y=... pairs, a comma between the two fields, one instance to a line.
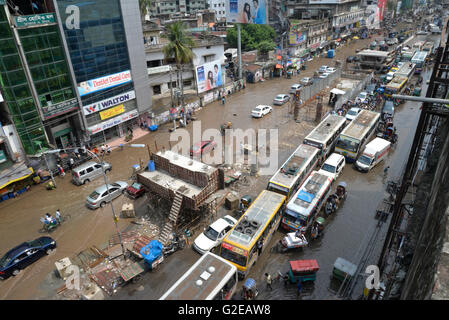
x=17, y=93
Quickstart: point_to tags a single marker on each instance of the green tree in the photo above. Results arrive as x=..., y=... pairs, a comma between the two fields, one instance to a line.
x=265, y=46
x=251, y=35
x=143, y=6
x=179, y=47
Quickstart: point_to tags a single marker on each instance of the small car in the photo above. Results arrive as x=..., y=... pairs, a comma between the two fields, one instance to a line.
x=324, y=75
x=260, y=111
x=100, y=196
x=280, y=99
x=333, y=165
x=363, y=96
x=352, y=113
x=322, y=69
x=331, y=70
x=214, y=234
x=295, y=87
x=202, y=147
x=371, y=89
x=135, y=190
x=306, y=81
x=25, y=254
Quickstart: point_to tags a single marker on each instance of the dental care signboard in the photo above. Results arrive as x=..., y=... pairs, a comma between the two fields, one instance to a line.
x=113, y=122
x=110, y=102
x=102, y=83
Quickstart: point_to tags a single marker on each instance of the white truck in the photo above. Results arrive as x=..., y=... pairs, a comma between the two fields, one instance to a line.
x=374, y=152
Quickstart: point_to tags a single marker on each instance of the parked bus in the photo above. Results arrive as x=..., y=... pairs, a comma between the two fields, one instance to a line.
x=395, y=86
x=356, y=134
x=258, y=223
x=407, y=55
x=419, y=59
x=325, y=135
x=406, y=70
x=304, y=207
x=210, y=278
x=294, y=171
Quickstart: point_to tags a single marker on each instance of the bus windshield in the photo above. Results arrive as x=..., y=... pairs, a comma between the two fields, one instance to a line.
x=233, y=257
x=347, y=144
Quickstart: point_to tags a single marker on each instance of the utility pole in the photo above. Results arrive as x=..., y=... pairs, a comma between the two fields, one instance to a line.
x=239, y=49
x=48, y=167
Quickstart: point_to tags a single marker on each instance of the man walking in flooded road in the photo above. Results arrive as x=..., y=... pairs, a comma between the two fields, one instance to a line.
x=268, y=280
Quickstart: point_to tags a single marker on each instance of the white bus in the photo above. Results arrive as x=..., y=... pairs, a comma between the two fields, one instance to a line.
x=325, y=135
x=210, y=278
x=419, y=59
x=305, y=205
x=294, y=171
x=356, y=134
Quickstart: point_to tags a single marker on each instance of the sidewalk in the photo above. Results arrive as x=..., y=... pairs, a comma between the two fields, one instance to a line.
x=137, y=133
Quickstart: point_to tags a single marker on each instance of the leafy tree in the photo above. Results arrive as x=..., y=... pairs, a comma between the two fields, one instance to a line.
x=251, y=36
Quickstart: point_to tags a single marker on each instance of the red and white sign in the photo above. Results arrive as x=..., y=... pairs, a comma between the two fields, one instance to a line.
x=113, y=122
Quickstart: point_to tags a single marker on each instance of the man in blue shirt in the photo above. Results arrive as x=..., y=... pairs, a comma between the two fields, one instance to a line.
x=217, y=76
x=260, y=17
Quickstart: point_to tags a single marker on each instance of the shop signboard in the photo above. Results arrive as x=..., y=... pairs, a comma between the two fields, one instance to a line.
x=113, y=122
x=296, y=38
x=109, y=113
x=247, y=11
x=102, y=83
x=54, y=110
x=34, y=19
x=107, y=103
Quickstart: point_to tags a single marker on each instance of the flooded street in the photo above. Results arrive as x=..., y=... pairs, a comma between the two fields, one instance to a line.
x=345, y=233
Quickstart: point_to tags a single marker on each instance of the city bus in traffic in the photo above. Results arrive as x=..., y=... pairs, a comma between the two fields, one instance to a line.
x=258, y=223
x=419, y=59
x=325, y=135
x=356, y=134
x=304, y=207
x=428, y=46
x=295, y=170
x=210, y=278
x=396, y=85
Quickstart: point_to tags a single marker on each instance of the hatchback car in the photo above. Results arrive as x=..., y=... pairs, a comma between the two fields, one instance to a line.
x=202, y=147
x=101, y=196
x=363, y=97
x=135, y=190
x=306, y=81
x=260, y=111
x=295, y=87
x=352, y=113
x=331, y=70
x=324, y=75
x=214, y=234
x=280, y=99
x=25, y=254
x=333, y=165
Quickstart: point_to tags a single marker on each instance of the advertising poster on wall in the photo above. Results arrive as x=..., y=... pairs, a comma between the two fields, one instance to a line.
x=102, y=83
x=209, y=76
x=247, y=11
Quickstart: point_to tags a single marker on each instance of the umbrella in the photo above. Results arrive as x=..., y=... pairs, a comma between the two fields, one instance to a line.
x=343, y=184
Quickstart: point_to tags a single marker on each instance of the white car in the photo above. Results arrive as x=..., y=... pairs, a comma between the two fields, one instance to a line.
x=334, y=165
x=295, y=87
x=322, y=69
x=212, y=236
x=331, y=70
x=352, y=113
x=306, y=81
x=363, y=96
x=260, y=111
x=280, y=99
x=390, y=76
x=324, y=75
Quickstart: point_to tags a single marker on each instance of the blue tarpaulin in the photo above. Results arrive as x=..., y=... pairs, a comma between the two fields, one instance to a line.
x=151, y=251
x=305, y=196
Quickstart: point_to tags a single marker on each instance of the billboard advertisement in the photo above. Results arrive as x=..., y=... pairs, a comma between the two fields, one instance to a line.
x=247, y=11
x=381, y=4
x=296, y=37
x=102, y=83
x=209, y=76
x=107, y=103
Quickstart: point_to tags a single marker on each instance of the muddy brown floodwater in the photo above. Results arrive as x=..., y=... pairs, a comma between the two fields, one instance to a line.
x=19, y=218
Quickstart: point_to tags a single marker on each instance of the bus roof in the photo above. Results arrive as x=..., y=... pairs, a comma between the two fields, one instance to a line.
x=326, y=128
x=396, y=82
x=420, y=56
x=294, y=166
x=406, y=69
x=305, y=198
x=260, y=211
x=213, y=272
x=361, y=124
x=373, y=53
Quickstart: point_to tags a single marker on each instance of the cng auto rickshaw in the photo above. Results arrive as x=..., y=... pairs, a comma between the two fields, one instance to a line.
x=303, y=270
x=318, y=228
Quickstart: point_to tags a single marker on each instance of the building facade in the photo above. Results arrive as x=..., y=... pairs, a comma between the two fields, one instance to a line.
x=173, y=6
x=219, y=6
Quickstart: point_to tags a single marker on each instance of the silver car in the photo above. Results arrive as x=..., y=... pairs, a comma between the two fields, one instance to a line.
x=280, y=99
x=100, y=196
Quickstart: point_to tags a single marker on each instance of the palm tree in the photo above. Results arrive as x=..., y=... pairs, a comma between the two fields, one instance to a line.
x=143, y=6
x=179, y=47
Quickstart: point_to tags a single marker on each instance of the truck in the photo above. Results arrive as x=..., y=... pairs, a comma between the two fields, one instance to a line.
x=374, y=153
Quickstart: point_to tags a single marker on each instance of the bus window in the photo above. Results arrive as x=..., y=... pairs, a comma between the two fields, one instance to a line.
x=233, y=257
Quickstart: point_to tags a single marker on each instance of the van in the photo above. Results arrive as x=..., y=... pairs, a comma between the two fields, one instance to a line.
x=89, y=171
x=374, y=152
x=333, y=165
x=295, y=87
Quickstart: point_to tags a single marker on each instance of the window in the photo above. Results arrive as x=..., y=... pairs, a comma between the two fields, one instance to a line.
x=89, y=170
x=209, y=58
x=157, y=89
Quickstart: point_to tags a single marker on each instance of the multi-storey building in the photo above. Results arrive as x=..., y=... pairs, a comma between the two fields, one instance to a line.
x=172, y=6
x=307, y=36
x=219, y=6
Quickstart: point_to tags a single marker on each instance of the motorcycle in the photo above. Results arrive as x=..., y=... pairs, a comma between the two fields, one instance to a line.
x=175, y=245
x=331, y=205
